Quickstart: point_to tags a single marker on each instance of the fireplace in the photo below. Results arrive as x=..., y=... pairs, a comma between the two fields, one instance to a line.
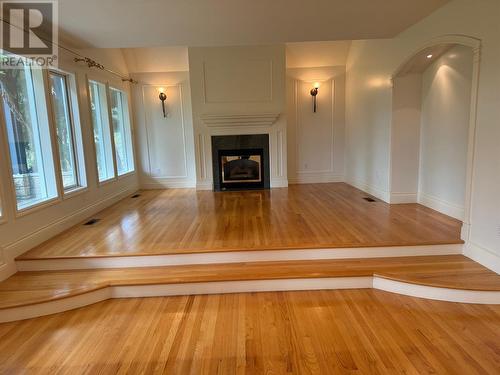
x=240, y=162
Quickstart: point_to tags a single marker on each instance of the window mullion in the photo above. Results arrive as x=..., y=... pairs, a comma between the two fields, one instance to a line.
x=111, y=129
x=53, y=130
x=76, y=169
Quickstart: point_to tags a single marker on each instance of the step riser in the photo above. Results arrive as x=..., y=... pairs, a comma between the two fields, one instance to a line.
x=225, y=287
x=236, y=257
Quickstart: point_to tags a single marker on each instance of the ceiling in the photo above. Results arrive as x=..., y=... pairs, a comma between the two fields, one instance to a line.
x=152, y=23
x=317, y=54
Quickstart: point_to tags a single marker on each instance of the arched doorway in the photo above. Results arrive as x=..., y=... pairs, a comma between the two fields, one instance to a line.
x=433, y=126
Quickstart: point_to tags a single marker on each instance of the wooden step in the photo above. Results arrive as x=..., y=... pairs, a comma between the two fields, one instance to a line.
x=120, y=260
x=449, y=271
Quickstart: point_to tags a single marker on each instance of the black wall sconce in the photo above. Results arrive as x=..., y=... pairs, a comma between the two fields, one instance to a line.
x=314, y=93
x=163, y=97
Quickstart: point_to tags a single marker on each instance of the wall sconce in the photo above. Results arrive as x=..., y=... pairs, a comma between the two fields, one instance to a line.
x=314, y=92
x=162, y=97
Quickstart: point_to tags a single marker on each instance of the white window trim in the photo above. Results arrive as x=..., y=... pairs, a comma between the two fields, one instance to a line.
x=124, y=91
x=20, y=212
x=77, y=132
x=88, y=79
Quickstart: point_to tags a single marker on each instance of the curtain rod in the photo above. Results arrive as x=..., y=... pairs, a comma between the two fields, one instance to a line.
x=79, y=57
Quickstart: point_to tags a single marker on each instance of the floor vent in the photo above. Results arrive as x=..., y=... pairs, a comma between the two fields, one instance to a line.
x=136, y=196
x=368, y=199
x=91, y=222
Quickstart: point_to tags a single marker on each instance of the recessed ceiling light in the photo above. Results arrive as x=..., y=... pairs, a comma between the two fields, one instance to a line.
x=429, y=56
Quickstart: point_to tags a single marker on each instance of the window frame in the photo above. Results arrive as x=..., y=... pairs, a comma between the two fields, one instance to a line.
x=78, y=146
x=103, y=82
x=127, y=112
x=3, y=206
x=40, y=90
x=122, y=88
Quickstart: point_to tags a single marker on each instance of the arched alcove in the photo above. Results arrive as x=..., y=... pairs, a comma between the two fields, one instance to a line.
x=433, y=126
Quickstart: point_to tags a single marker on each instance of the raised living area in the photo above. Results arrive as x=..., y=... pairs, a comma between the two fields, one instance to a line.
x=218, y=188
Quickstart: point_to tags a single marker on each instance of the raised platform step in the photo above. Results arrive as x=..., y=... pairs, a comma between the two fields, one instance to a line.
x=449, y=277
x=120, y=260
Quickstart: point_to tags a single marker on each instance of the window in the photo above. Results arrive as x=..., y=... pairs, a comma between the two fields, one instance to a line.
x=69, y=140
x=102, y=133
x=121, y=132
x=28, y=135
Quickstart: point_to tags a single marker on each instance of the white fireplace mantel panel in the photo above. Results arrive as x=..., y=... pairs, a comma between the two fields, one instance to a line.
x=238, y=91
x=240, y=120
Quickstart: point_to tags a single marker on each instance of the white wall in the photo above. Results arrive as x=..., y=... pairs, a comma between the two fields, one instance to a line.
x=316, y=140
x=446, y=96
x=369, y=107
x=165, y=145
x=242, y=83
x=368, y=115
x=20, y=233
x=405, y=138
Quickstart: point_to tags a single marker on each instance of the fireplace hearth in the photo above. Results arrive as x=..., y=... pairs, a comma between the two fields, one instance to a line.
x=240, y=162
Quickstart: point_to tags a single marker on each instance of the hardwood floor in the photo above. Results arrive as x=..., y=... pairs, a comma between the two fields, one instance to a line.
x=448, y=271
x=178, y=221
x=322, y=332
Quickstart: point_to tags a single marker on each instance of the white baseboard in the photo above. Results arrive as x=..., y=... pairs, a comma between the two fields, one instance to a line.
x=168, y=183
x=315, y=178
x=50, y=230
x=483, y=256
x=235, y=257
x=279, y=182
x=204, y=185
x=400, y=198
x=440, y=205
x=370, y=189
x=275, y=183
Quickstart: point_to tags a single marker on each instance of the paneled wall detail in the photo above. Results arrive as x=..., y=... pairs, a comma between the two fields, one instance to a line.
x=315, y=139
x=166, y=144
x=237, y=91
x=238, y=80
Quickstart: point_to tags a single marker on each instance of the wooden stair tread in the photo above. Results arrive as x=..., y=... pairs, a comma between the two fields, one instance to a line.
x=446, y=271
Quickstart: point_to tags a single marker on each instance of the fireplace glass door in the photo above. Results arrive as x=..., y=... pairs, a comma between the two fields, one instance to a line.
x=244, y=168
x=241, y=169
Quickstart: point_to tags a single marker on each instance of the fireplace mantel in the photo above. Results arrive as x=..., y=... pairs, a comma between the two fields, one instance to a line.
x=239, y=120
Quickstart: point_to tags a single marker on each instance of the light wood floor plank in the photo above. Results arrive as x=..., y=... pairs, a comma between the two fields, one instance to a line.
x=320, y=332
x=182, y=221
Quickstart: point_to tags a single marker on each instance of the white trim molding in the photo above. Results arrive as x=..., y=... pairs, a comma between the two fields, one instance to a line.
x=483, y=256
x=315, y=177
x=168, y=183
x=236, y=120
x=400, y=198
